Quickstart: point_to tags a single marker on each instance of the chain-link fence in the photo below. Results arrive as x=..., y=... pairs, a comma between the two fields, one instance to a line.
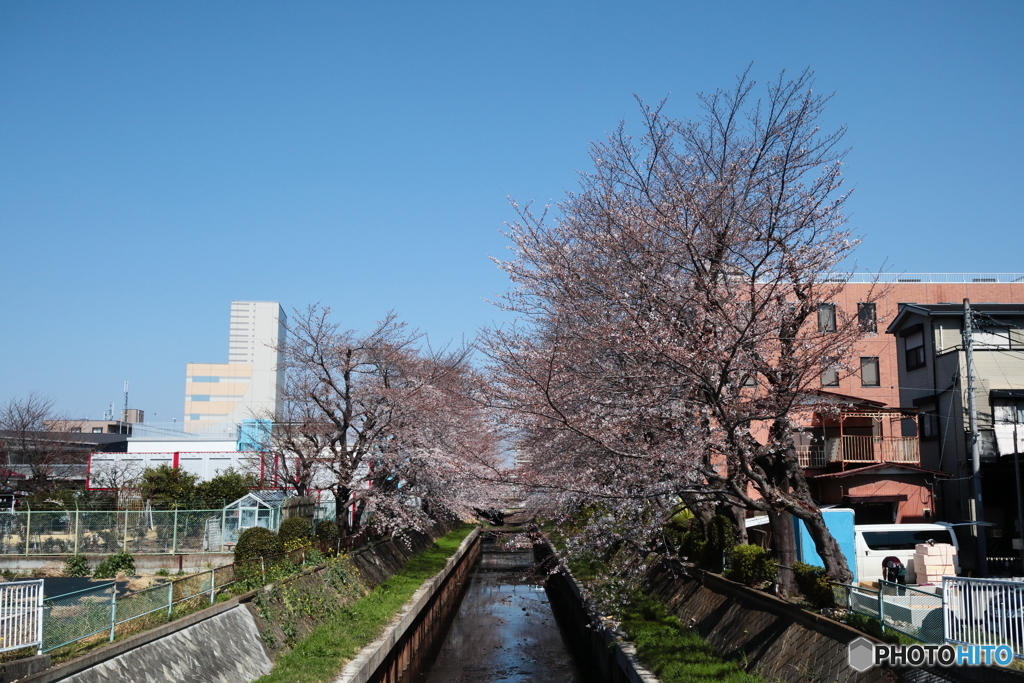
x=134, y=531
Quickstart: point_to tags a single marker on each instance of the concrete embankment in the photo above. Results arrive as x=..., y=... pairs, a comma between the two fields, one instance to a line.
x=418, y=626
x=223, y=643
x=607, y=651
x=779, y=640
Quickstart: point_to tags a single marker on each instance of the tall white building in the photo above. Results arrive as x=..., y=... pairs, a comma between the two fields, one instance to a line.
x=249, y=385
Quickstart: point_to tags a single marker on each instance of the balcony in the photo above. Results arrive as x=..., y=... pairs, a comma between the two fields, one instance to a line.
x=861, y=450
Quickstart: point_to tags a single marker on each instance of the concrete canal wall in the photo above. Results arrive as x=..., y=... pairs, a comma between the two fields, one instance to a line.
x=220, y=644
x=610, y=657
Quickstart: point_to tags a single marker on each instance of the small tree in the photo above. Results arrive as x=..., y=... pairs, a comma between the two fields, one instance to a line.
x=166, y=486
x=229, y=485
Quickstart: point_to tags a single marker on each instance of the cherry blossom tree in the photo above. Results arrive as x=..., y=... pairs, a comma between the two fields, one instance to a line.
x=674, y=317
x=392, y=429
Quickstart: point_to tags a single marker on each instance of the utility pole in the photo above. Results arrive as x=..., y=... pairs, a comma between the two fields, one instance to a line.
x=972, y=413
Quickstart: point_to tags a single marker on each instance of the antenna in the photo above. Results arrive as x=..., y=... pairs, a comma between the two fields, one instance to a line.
x=125, y=415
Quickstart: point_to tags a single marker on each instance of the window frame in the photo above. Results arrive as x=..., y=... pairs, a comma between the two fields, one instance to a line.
x=825, y=373
x=868, y=323
x=827, y=324
x=878, y=371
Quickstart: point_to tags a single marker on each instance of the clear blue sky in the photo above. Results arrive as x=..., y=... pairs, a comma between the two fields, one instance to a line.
x=158, y=160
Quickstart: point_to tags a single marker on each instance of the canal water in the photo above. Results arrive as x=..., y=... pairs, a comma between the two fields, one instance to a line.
x=504, y=630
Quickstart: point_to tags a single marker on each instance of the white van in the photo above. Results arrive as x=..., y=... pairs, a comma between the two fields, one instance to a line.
x=875, y=542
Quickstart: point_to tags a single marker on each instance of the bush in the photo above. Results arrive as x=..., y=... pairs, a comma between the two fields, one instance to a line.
x=751, y=565
x=257, y=542
x=813, y=583
x=295, y=532
x=76, y=565
x=327, y=532
x=118, y=563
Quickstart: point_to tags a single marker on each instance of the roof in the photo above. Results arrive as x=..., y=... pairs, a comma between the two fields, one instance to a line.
x=844, y=398
x=271, y=498
x=875, y=469
x=952, y=310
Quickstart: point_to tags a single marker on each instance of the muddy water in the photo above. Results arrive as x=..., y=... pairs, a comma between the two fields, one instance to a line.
x=504, y=629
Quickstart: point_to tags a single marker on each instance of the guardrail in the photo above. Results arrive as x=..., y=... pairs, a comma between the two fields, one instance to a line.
x=984, y=612
x=21, y=614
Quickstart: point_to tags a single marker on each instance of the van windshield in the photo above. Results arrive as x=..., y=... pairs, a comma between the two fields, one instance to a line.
x=904, y=540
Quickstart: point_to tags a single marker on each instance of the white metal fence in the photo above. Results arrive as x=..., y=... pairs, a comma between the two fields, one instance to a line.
x=984, y=612
x=21, y=614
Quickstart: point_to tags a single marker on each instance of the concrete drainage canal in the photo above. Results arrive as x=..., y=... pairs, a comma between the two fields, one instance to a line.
x=504, y=629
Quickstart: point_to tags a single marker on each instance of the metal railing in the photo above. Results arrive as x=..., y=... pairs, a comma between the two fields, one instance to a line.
x=984, y=612
x=860, y=449
x=86, y=613
x=21, y=612
x=880, y=449
x=910, y=611
x=937, y=278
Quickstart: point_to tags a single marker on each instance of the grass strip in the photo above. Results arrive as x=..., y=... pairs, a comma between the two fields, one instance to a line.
x=320, y=656
x=673, y=652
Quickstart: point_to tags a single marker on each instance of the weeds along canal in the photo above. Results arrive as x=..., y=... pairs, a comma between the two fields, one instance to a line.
x=504, y=629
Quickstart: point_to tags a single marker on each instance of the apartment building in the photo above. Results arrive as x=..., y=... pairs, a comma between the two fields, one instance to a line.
x=249, y=385
x=869, y=456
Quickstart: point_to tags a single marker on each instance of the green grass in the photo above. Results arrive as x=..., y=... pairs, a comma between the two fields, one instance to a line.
x=322, y=654
x=674, y=653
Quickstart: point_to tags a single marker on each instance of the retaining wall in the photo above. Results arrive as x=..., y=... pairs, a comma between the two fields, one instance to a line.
x=418, y=628
x=604, y=651
x=781, y=641
x=221, y=644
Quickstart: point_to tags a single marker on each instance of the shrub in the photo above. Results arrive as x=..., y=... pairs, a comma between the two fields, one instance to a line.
x=257, y=542
x=327, y=532
x=813, y=583
x=76, y=565
x=295, y=532
x=118, y=563
x=751, y=565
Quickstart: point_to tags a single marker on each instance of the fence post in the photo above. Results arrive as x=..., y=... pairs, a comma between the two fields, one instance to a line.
x=945, y=610
x=174, y=534
x=39, y=620
x=113, y=609
x=213, y=584
x=223, y=524
x=881, y=604
x=124, y=544
x=28, y=526
x=76, y=527
x=170, y=597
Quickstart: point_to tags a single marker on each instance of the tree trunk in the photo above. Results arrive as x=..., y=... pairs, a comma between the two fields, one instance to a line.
x=826, y=545
x=783, y=549
x=739, y=518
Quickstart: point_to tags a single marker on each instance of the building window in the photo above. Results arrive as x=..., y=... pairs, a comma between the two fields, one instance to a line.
x=97, y=430
x=929, y=425
x=1008, y=411
x=826, y=317
x=830, y=378
x=913, y=345
x=866, y=317
x=869, y=376
x=749, y=381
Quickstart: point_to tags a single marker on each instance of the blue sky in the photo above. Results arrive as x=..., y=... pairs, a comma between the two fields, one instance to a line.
x=158, y=160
